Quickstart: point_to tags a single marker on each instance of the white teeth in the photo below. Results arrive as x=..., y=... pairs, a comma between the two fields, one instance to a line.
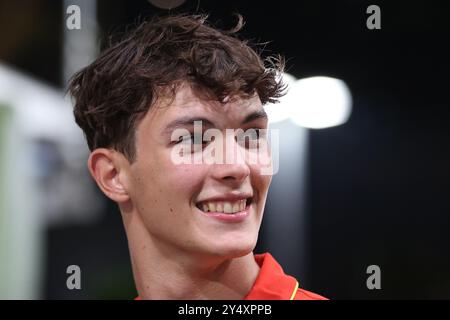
x=227, y=207
x=224, y=206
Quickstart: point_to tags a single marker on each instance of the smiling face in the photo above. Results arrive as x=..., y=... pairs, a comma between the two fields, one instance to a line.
x=183, y=205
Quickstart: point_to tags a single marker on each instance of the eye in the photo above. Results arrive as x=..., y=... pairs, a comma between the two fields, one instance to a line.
x=250, y=138
x=190, y=139
x=191, y=143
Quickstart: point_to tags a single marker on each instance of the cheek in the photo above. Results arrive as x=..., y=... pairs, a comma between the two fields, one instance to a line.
x=159, y=179
x=185, y=181
x=261, y=185
x=164, y=189
x=265, y=181
x=260, y=180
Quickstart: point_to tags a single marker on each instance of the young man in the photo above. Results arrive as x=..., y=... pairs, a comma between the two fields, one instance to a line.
x=191, y=226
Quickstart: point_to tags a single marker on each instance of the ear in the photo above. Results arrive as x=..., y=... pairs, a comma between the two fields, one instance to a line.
x=107, y=168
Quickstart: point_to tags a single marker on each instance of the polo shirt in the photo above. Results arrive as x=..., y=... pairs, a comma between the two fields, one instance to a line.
x=273, y=284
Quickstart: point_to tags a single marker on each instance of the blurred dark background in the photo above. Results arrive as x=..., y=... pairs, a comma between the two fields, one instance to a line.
x=378, y=186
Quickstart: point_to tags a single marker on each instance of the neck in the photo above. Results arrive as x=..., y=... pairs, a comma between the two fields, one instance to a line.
x=165, y=273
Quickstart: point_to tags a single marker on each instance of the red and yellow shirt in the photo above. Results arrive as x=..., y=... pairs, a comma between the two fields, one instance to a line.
x=273, y=284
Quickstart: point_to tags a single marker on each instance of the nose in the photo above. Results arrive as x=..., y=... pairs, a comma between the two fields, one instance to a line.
x=235, y=166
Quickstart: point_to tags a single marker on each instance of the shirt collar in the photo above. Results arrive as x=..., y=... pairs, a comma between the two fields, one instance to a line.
x=271, y=283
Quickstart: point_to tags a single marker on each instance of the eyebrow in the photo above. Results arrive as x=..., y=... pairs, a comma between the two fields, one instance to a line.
x=186, y=121
x=189, y=120
x=260, y=114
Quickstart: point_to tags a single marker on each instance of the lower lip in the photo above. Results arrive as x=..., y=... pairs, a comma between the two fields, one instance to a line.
x=229, y=217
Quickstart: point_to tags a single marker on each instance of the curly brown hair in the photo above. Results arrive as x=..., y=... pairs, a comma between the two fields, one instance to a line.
x=114, y=92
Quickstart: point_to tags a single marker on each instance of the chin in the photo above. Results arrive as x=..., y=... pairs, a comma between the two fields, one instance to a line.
x=235, y=248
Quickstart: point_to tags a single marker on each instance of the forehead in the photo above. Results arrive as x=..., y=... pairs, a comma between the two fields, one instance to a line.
x=187, y=103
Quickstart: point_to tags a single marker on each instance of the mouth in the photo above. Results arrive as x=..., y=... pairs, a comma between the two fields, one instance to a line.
x=226, y=211
x=226, y=207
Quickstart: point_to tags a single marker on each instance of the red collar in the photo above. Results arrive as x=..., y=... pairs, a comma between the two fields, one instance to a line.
x=272, y=283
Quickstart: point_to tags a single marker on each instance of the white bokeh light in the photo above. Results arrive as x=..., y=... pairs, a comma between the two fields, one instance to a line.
x=320, y=102
x=315, y=103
